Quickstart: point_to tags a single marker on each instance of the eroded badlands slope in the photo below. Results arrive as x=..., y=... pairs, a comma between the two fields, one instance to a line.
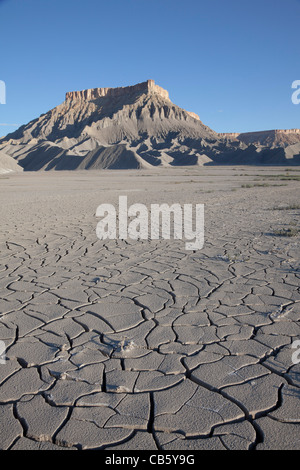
x=127, y=128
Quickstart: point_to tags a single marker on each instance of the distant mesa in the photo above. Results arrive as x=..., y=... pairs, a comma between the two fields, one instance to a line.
x=136, y=127
x=272, y=139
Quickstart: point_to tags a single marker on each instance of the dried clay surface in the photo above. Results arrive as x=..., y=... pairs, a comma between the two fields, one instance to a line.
x=142, y=344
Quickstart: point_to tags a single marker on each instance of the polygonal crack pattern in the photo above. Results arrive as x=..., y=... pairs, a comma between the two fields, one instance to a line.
x=144, y=345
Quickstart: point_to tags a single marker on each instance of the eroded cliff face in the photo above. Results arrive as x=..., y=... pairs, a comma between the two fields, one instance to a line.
x=147, y=87
x=135, y=127
x=193, y=115
x=229, y=135
x=126, y=127
x=271, y=138
x=112, y=115
x=288, y=131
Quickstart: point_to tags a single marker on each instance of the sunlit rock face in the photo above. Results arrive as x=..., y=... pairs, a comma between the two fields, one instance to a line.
x=130, y=127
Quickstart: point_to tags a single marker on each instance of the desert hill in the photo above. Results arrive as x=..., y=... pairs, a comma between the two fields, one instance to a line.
x=128, y=127
x=285, y=143
x=8, y=164
x=272, y=139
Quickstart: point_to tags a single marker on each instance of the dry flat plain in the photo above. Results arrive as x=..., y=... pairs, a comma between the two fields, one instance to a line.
x=141, y=344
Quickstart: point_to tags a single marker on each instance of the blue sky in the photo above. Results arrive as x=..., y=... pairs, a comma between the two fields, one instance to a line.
x=230, y=61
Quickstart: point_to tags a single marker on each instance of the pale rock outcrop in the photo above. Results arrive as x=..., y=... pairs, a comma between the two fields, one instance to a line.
x=136, y=127
x=92, y=94
x=8, y=164
x=271, y=138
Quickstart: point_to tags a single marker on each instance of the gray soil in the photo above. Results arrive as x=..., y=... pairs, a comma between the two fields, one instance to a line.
x=142, y=344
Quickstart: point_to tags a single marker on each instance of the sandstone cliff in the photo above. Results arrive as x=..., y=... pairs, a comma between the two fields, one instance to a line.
x=272, y=139
x=127, y=127
x=147, y=87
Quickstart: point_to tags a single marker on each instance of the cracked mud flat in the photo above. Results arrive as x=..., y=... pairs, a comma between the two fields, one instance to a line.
x=142, y=344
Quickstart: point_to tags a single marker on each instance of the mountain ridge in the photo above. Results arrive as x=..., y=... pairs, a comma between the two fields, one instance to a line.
x=267, y=138
x=127, y=127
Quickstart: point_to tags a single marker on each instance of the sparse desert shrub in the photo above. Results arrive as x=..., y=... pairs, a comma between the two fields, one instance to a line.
x=287, y=232
x=260, y=185
x=286, y=208
x=254, y=185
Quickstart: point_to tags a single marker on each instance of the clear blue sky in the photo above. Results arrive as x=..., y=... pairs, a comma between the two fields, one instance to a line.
x=230, y=61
